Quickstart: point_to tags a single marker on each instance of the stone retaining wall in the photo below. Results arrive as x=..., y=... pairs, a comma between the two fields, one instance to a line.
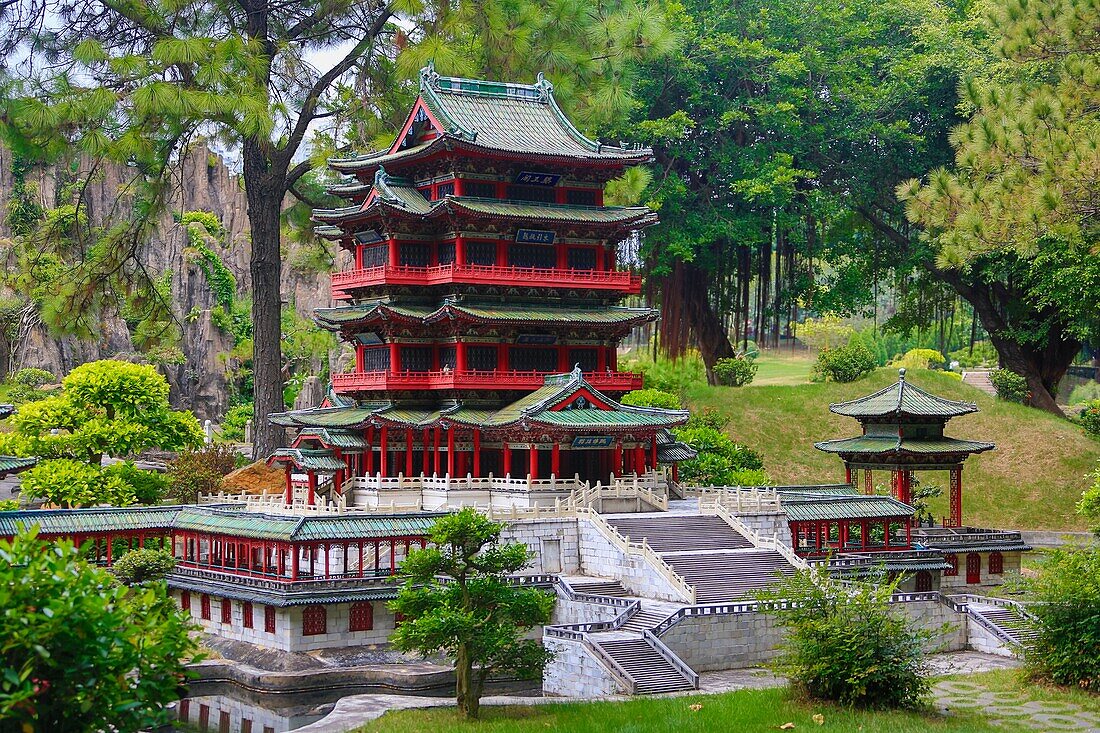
x=767, y=524
x=578, y=612
x=576, y=673
x=554, y=544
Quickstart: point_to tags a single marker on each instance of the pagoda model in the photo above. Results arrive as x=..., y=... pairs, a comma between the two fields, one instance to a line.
x=483, y=302
x=903, y=431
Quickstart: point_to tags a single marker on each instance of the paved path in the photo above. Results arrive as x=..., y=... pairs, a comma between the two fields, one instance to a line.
x=1006, y=709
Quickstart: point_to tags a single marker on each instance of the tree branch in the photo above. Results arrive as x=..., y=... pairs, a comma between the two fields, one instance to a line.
x=297, y=172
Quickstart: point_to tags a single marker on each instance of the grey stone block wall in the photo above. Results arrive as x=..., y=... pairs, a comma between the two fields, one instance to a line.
x=948, y=628
x=767, y=524
x=574, y=672
x=602, y=559
x=554, y=543
x=577, y=612
x=733, y=641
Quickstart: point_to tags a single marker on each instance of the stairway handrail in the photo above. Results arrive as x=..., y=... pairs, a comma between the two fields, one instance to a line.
x=609, y=662
x=715, y=505
x=670, y=656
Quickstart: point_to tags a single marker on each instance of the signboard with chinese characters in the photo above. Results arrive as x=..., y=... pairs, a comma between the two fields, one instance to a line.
x=368, y=236
x=582, y=442
x=533, y=178
x=544, y=339
x=534, y=236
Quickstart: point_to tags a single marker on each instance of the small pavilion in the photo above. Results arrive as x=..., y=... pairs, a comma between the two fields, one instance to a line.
x=903, y=431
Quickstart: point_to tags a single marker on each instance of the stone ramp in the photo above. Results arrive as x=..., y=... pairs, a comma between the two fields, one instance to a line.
x=677, y=532
x=724, y=577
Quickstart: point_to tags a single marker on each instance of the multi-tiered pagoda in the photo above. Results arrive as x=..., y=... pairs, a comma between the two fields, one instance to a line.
x=484, y=302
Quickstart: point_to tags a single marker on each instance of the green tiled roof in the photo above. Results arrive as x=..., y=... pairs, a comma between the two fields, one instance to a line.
x=308, y=460
x=296, y=528
x=335, y=438
x=902, y=398
x=600, y=419
x=349, y=315
x=675, y=452
x=552, y=212
x=878, y=444
x=845, y=507
x=14, y=464
x=327, y=417
x=78, y=521
x=817, y=490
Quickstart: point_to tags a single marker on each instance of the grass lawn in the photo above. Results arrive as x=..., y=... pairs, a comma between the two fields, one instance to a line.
x=1031, y=481
x=745, y=710
x=775, y=367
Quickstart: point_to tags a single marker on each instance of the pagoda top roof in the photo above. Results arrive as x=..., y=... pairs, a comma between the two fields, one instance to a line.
x=902, y=398
x=351, y=315
x=885, y=444
x=498, y=117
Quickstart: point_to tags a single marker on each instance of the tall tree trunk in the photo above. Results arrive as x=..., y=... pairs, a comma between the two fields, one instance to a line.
x=264, y=188
x=466, y=694
x=713, y=339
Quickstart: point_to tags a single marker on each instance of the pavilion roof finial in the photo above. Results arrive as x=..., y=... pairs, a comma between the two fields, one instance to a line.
x=901, y=374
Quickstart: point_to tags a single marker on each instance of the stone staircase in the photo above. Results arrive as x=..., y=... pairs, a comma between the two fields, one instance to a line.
x=677, y=532
x=646, y=619
x=1012, y=626
x=650, y=671
x=600, y=588
x=979, y=379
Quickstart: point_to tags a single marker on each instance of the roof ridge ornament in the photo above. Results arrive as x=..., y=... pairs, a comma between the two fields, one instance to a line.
x=543, y=87
x=901, y=374
x=429, y=78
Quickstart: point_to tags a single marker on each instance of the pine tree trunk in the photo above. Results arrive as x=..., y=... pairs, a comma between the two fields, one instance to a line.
x=265, y=188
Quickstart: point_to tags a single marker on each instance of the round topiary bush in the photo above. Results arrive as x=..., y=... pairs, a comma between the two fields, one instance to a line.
x=1090, y=418
x=1010, y=386
x=843, y=364
x=651, y=398
x=735, y=372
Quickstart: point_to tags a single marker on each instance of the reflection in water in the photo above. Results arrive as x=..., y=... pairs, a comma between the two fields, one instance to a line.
x=225, y=714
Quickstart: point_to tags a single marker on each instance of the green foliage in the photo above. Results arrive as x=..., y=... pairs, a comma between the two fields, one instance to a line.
x=708, y=417
x=203, y=230
x=844, y=645
x=843, y=364
x=1010, y=386
x=107, y=407
x=68, y=483
x=828, y=332
x=984, y=355
x=1087, y=392
x=235, y=421
x=149, y=487
x=1066, y=592
x=9, y=505
x=735, y=372
x=1090, y=417
x=651, y=398
x=921, y=359
x=721, y=462
x=457, y=599
x=201, y=471
x=669, y=375
x=1089, y=505
x=33, y=377
x=141, y=566
x=80, y=652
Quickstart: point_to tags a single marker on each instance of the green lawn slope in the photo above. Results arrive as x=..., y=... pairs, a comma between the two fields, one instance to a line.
x=1031, y=481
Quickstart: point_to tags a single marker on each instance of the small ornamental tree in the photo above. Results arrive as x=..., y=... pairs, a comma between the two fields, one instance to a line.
x=143, y=565
x=67, y=483
x=651, y=398
x=80, y=652
x=844, y=645
x=457, y=600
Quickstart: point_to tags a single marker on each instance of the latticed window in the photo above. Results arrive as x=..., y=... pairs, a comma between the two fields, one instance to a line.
x=314, y=620
x=531, y=255
x=581, y=197
x=204, y=605
x=415, y=254
x=952, y=568
x=481, y=358
x=445, y=189
x=480, y=189
x=542, y=194
x=361, y=617
x=246, y=614
x=375, y=256
x=269, y=619
x=227, y=611
x=581, y=258
x=481, y=253
x=185, y=601
x=587, y=358
x=524, y=359
x=376, y=359
x=996, y=563
x=448, y=357
x=416, y=358
x=446, y=253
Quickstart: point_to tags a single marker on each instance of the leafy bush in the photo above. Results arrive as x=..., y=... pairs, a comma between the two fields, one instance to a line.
x=33, y=377
x=9, y=505
x=143, y=565
x=1090, y=417
x=708, y=417
x=720, y=461
x=669, y=375
x=197, y=472
x=149, y=486
x=1066, y=650
x=1082, y=393
x=68, y=483
x=735, y=372
x=921, y=359
x=651, y=398
x=984, y=355
x=844, y=645
x=1010, y=386
x=233, y=424
x=843, y=364
x=1089, y=506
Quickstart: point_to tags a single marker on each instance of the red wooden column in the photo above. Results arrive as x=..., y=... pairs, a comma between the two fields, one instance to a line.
x=460, y=250
x=617, y=460
x=395, y=259
x=868, y=482
x=383, y=441
x=425, y=441
x=451, y=452
x=393, y=557
x=956, y=499
x=653, y=452
x=395, y=358
x=533, y=463
x=847, y=473
x=294, y=551
x=507, y=450
x=408, y=452
x=639, y=459
x=477, y=452
x=460, y=356
x=338, y=478
x=312, y=487
x=435, y=442
x=289, y=486
x=370, y=451
x=555, y=460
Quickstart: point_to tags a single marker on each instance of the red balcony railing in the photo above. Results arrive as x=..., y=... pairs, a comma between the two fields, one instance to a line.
x=470, y=379
x=342, y=282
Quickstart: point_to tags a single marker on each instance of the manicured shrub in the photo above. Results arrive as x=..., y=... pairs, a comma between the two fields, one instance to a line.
x=843, y=364
x=197, y=472
x=651, y=398
x=1090, y=417
x=669, y=375
x=149, y=486
x=844, y=645
x=68, y=483
x=708, y=417
x=143, y=565
x=1010, y=386
x=921, y=359
x=234, y=422
x=33, y=377
x=721, y=462
x=735, y=372
x=1066, y=589
x=983, y=355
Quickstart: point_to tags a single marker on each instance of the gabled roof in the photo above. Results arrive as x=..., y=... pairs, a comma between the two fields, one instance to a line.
x=334, y=438
x=824, y=508
x=93, y=519
x=878, y=444
x=15, y=464
x=496, y=117
x=322, y=461
x=297, y=528
x=902, y=398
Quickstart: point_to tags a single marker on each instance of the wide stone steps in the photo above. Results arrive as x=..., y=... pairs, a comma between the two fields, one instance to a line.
x=979, y=379
x=644, y=620
x=673, y=533
x=651, y=672
x=1015, y=626
x=600, y=588
x=724, y=577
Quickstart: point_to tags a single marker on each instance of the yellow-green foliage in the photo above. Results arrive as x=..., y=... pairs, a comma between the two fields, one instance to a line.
x=920, y=359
